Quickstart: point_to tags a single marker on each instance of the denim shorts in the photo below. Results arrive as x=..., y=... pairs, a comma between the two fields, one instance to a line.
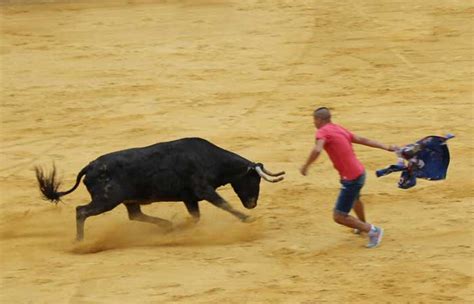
x=350, y=191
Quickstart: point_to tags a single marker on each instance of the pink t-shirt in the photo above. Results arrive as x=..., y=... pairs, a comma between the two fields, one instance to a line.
x=338, y=145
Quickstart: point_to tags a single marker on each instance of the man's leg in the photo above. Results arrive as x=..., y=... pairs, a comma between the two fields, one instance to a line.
x=359, y=210
x=350, y=221
x=348, y=197
x=375, y=233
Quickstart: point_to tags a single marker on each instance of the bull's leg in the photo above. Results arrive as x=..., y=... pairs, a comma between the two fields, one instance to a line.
x=83, y=212
x=214, y=198
x=193, y=209
x=135, y=214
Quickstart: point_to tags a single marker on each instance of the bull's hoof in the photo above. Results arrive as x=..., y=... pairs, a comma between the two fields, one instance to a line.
x=187, y=224
x=166, y=227
x=191, y=222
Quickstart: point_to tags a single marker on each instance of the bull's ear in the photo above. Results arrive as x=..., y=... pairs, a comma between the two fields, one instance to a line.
x=250, y=167
x=253, y=166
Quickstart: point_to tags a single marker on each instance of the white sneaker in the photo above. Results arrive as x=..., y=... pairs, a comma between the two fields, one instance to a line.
x=375, y=237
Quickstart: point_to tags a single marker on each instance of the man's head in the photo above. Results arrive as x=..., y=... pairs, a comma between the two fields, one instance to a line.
x=321, y=117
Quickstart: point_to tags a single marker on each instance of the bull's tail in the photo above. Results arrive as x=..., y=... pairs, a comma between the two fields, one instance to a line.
x=49, y=184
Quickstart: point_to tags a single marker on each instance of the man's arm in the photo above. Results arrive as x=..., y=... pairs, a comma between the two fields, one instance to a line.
x=313, y=155
x=372, y=143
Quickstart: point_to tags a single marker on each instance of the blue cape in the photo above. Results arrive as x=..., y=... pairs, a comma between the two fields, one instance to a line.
x=428, y=158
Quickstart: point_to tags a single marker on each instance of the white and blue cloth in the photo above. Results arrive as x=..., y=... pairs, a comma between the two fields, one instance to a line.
x=428, y=158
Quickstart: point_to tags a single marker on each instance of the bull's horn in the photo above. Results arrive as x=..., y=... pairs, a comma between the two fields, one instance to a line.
x=272, y=174
x=260, y=172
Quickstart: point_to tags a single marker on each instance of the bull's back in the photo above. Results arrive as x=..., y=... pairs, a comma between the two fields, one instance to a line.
x=188, y=150
x=162, y=171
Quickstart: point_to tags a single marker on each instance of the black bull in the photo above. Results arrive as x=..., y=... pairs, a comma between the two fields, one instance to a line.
x=187, y=170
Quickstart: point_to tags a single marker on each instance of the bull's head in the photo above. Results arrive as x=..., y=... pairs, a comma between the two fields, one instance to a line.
x=247, y=186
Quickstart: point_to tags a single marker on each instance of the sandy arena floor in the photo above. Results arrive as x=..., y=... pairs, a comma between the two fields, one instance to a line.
x=82, y=80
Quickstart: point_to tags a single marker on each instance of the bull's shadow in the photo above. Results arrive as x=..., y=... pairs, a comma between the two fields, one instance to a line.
x=118, y=235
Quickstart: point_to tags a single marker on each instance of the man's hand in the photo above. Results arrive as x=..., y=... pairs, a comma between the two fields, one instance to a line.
x=393, y=148
x=304, y=170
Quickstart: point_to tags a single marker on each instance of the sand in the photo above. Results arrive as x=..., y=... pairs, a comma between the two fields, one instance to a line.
x=79, y=80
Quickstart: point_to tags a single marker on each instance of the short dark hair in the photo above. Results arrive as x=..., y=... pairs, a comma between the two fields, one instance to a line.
x=322, y=113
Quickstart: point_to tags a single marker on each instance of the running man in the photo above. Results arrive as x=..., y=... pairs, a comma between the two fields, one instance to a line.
x=337, y=142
